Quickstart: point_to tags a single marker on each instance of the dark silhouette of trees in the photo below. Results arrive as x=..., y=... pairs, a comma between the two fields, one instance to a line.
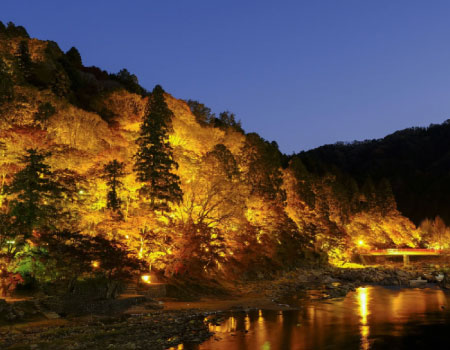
x=414, y=161
x=69, y=254
x=129, y=82
x=12, y=31
x=112, y=173
x=34, y=194
x=202, y=114
x=44, y=112
x=24, y=62
x=6, y=84
x=74, y=58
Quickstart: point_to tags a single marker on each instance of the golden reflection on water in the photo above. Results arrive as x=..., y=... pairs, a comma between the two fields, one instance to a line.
x=260, y=317
x=356, y=321
x=363, y=302
x=226, y=327
x=247, y=322
x=280, y=317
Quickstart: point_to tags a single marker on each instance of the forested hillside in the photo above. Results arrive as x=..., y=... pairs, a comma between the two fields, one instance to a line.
x=96, y=169
x=416, y=162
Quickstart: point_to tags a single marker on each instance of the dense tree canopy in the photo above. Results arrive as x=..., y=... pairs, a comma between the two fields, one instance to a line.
x=151, y=179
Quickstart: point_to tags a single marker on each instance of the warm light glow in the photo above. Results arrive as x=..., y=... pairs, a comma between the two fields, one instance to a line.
x=247, y=322
x=11, y=242
x=260, y=317
x=363, y=301
x=95, y=264
x=146, y=279
x=360, y=242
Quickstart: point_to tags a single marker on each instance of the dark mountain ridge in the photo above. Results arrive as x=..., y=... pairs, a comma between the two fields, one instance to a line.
x=416, y=161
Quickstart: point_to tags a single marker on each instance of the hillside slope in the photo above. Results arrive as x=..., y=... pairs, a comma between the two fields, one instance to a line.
x=245, y=210
x=416, y=161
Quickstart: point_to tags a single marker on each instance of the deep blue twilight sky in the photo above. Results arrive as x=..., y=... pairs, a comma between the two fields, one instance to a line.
x=303, y=73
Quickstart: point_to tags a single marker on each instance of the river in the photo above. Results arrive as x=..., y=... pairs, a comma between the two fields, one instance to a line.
x=369, y=318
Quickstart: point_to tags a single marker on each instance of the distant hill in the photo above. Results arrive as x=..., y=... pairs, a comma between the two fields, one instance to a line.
x=416, y=161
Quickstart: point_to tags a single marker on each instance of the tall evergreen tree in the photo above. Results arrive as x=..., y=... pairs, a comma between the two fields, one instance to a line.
x=35, y=193
x=154, y=158
x=24, y=59
x=74, y=57
x=112, y=173
x=6, y=84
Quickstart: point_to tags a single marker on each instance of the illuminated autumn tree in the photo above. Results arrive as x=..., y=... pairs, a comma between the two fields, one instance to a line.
x=2, y=149
x=34, y=193
x=112, y=173
x=262, y=161
x=10, y=240
x=435, y=234
x=7, y=158
x=261, y=164
x=215, y=195
x=300, y=199
x=212, y=211
x=154, y=159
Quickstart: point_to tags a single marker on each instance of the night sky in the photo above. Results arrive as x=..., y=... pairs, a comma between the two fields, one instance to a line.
x=303, y=73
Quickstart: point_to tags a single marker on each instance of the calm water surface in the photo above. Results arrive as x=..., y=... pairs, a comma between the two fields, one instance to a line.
x=369, y=318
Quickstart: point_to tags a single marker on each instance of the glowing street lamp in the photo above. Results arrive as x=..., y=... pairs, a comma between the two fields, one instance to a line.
x=95, y=264
x=146, y=279
x=360, y=242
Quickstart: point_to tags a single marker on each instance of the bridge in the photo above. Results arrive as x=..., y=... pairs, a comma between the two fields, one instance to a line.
x=406, y=253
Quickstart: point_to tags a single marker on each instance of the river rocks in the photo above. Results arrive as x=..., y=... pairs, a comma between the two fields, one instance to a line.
x=387, y=277
x=15, y=312
x=159, y=330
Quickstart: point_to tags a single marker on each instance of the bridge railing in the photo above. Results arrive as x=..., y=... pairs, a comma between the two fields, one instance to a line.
x=404, y=250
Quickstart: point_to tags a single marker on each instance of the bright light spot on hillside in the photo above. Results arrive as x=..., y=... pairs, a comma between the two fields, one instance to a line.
x=146, y=279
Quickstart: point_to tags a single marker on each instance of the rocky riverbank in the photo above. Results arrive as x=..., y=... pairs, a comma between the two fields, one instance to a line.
x=158, y=330
x=332, y=282
x=145, y=326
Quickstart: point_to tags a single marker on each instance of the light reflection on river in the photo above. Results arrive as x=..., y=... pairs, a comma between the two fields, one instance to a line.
x=369, y=318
